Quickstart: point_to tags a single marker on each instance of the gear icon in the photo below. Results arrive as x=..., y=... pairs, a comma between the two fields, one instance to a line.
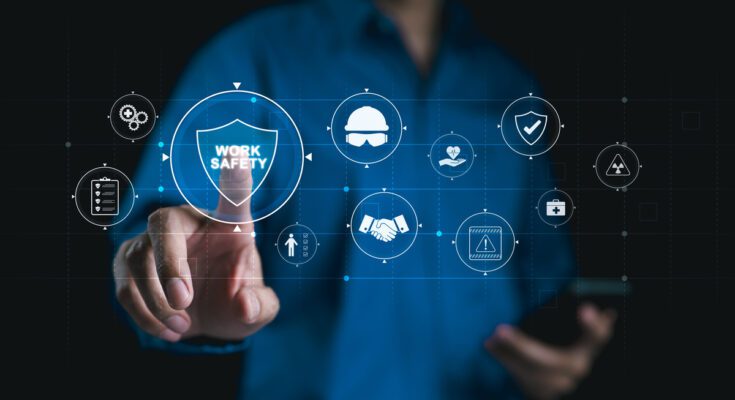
x=141, y=117
x=133, y=117
x=127, y=112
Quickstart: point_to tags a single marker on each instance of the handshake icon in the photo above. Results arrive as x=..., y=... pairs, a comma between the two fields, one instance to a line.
x=383, y=229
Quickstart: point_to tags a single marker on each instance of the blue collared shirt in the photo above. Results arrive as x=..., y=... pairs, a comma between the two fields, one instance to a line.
x=413, y=327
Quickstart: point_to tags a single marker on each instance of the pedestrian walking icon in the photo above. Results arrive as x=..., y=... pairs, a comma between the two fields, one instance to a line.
x=617, y=167
x=291, y=244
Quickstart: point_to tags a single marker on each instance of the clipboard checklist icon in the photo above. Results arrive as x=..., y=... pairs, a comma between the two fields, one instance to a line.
x=104, y=197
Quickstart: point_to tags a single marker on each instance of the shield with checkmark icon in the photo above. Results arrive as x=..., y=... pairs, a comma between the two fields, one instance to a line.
x=531, y=126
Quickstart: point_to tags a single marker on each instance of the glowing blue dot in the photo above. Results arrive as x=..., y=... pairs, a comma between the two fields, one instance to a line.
x=253, y=99
x=160, y=144
x=346, y=189
x=160, y=188
x=346, y=278
x=439, y=233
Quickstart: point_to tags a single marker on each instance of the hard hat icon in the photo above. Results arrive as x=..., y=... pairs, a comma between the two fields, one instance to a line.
x=366, y=118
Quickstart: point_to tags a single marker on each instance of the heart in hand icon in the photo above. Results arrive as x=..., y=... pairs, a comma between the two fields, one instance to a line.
x=453, y=151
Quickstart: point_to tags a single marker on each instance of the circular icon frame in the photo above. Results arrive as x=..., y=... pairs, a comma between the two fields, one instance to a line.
x=254, y=95
x=624, y=147
x=415, y=233
x=383, y=98
x=77, y=197
x=460, y=229
x=569, y=209
x=546, y=103
x=116, y=112
x=473, y=155
x=279, y=241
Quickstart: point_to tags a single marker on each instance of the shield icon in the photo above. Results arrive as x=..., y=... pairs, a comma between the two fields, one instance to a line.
x=236, y=145
x=531, y=126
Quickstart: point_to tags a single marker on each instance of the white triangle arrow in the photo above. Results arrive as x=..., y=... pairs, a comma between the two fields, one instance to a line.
x=164, y=157
x=308, y=157
x=236, y=84
x=237, y=229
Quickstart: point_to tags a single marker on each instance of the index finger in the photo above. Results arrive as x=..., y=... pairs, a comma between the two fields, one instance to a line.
x=235, y=188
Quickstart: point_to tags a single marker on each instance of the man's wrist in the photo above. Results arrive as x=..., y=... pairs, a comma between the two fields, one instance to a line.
x=367, y=223
x=401, y=223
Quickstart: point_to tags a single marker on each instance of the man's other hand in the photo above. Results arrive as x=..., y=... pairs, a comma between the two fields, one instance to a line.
x=547, y=372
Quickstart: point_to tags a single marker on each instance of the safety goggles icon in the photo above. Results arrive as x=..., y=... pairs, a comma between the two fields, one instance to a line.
x=359, y=139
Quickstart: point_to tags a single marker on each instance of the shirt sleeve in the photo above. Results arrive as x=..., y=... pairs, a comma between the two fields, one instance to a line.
x=192, y=347
x=547, y=262
x=228, y=57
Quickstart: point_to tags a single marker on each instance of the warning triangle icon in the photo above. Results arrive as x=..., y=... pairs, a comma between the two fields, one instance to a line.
x=485, y=245
x=617, y=167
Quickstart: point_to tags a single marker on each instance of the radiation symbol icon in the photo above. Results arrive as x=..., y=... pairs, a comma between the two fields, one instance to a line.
x=617, y=167
x=234, y=147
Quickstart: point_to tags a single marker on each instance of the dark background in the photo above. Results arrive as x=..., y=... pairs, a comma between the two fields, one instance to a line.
x=64, y=65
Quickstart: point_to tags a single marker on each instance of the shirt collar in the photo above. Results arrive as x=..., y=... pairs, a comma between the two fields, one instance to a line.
x=351, y=17
x=355, y=17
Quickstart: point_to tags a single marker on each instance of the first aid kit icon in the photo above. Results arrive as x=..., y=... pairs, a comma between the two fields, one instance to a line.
x=556, y=208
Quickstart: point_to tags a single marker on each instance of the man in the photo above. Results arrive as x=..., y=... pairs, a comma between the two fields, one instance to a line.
x=399, y=331
x=291, y=244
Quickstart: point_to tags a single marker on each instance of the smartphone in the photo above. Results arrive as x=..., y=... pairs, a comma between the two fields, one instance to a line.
x=556, y=322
